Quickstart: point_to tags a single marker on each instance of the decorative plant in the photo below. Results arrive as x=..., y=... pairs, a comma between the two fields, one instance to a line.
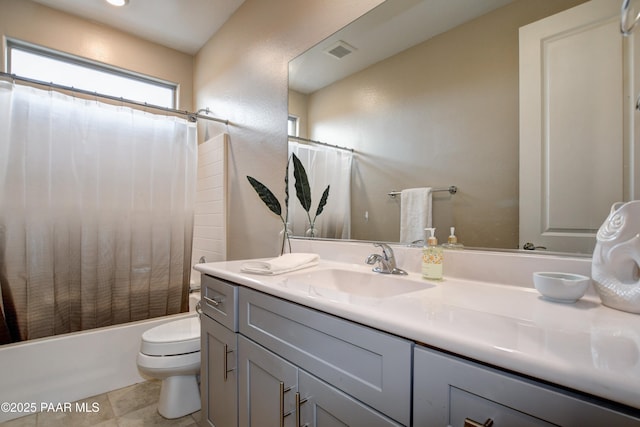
x=273, y=204
x=303, y=193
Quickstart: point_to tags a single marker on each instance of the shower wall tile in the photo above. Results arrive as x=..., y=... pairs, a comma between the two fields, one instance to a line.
x=210, y=220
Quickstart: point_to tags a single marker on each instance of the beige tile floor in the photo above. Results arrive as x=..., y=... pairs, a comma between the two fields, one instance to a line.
x=135, y=405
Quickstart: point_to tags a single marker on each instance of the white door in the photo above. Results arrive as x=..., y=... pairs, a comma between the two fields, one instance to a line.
x=576, y=124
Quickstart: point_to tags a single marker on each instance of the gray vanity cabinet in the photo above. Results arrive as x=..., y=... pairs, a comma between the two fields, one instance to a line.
x=349, y=374
x=267, y=361
x=218, y=375
x=277, y=393
x=450, y=391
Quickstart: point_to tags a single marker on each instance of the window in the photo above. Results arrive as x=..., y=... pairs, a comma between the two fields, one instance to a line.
x=293, y=126
x=33, y=62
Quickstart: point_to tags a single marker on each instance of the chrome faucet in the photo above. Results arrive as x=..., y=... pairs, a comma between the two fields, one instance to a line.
x=386, y=263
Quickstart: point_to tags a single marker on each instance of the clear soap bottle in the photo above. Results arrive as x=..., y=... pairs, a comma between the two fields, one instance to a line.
x=452, y=241
x=432, y=256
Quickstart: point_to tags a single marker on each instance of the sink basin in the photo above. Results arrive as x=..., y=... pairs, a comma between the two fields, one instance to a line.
x=336, y=283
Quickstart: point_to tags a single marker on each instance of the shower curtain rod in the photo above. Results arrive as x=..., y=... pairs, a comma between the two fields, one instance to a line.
x=192, y=117
x=299, y=138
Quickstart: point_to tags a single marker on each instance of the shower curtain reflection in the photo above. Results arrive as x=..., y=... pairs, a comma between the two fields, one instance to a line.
x=96, y=213
x=324, y=166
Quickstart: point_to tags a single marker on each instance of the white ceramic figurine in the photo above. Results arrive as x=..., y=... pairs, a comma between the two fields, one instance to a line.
x=616, y=258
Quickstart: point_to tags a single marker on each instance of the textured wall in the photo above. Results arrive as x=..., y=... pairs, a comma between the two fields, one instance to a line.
x=241, y=74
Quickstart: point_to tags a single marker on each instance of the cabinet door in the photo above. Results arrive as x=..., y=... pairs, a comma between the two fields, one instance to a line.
x=219, y=376
x=325, y=406
x=448, y=390
x=267, y=387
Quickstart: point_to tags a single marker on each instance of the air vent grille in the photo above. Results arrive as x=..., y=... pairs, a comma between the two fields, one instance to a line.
x=339, y=49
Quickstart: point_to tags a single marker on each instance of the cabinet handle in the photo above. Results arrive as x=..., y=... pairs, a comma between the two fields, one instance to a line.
x=225, y=366
x=215, y=301
x=471, y=423
x=283, y=390
x=298, y=403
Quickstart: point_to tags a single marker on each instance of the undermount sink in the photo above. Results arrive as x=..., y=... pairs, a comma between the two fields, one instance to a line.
x=337, y=283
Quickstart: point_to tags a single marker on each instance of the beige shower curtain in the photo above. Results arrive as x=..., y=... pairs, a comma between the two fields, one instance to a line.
x=96, y=213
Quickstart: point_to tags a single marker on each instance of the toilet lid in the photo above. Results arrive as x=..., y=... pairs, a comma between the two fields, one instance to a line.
x=171, y=338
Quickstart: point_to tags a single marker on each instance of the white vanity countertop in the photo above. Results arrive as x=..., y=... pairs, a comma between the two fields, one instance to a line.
x=584, y=346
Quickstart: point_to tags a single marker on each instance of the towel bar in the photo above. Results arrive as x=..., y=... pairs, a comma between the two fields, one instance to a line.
x=452, y=189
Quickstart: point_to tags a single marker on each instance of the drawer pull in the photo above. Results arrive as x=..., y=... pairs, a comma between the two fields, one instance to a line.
x=470, y=423
x=298, y=403
x=216, y=301
x=283, y=390
x=225, y=366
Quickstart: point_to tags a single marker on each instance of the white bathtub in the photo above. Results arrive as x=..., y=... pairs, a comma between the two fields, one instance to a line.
x=71, y=367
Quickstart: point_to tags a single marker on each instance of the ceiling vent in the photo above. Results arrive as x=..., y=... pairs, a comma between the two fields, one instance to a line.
x=340, y=49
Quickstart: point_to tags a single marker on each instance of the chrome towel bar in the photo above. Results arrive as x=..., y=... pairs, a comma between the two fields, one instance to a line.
x=452, y=189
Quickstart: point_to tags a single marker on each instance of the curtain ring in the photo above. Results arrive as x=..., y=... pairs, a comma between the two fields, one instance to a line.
x=625, y=27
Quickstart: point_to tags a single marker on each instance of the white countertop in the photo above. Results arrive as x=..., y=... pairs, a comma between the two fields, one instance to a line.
x=584, y=346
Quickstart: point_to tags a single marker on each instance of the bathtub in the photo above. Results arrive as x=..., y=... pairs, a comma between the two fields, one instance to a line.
x=70, y=367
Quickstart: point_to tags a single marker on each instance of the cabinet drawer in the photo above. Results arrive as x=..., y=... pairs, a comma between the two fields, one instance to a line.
x=468, y=406
x=448, y=390
x=372, y=366
x=219, y=301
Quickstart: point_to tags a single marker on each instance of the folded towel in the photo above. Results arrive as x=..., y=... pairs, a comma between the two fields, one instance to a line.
x=415, y=213
x=283, y=264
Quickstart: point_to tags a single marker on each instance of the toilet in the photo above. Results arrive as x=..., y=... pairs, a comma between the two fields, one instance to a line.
x=171, y=352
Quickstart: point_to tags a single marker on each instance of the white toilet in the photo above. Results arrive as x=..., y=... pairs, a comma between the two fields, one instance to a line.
x=171, y=352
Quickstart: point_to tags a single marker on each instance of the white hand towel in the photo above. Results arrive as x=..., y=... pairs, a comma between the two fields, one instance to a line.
x=415, y=213
x=282, y=264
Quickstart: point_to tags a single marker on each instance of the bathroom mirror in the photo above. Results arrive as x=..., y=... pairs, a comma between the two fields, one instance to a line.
x=426, y=93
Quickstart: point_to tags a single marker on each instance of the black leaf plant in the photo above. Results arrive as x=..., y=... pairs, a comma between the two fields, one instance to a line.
x=303, y=193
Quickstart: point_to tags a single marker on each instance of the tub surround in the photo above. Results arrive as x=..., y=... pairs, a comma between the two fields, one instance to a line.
x=486, y=309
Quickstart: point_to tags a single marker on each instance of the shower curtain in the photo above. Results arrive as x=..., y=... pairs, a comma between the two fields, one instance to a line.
x=324, y=166
x=96, y=213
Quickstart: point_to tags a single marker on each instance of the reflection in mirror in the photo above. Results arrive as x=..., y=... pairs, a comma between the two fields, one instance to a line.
x=426, y=93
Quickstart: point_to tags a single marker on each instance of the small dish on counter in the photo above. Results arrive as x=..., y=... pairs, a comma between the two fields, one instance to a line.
x=561, y=287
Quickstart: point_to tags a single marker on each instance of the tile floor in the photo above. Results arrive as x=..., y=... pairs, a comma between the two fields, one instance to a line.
x=135, y=405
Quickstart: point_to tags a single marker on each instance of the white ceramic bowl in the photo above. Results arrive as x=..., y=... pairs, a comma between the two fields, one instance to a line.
x=561, y=287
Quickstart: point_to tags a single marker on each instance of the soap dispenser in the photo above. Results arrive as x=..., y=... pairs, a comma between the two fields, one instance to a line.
x=432, y=256
x=452, y=241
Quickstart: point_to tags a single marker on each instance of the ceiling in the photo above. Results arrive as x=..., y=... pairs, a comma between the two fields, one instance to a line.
x=390, y=28
x=184, y=25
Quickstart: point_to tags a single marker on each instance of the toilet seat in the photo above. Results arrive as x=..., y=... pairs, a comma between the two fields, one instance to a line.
x=172, y=338
x=186, y=364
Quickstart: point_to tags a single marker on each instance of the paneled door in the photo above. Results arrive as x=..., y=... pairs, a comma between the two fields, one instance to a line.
x=576, y=125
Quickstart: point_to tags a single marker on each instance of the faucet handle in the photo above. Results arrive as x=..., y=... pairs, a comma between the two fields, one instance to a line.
x=386, y=250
